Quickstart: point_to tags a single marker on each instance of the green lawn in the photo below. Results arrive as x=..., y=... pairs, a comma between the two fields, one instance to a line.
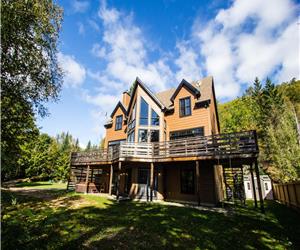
x=71, y=221
x=42, y=185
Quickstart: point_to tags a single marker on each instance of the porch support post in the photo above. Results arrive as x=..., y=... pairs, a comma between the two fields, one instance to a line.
x=151, y=180
x=253, y=186
x=198, y=182
x=262, y=208
x=110, y=179
x=87, y=179
x=118, y=180
x=165, y=182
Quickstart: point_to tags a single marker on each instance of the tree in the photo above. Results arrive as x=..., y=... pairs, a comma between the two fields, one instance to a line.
x=88, y=146
x=30, y=74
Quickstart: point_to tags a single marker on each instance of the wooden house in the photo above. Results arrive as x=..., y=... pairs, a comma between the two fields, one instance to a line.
x=165, y=146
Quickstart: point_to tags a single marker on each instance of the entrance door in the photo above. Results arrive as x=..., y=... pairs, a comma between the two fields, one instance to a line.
x=144, y=183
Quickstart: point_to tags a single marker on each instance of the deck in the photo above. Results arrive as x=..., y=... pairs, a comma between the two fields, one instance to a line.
x=221, y=146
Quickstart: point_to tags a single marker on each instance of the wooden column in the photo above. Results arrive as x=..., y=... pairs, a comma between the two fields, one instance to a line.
x=165, y=182
x=118, y=180
x=110, y=179
x=198, y=182
x=151, y=180
x=261, y=200
x=253, y=186
x=87, y=179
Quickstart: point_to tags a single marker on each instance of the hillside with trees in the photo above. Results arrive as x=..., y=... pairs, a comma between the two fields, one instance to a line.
x=274, y=112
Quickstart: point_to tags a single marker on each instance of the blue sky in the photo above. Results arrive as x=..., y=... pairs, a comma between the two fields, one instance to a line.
x=104, y=45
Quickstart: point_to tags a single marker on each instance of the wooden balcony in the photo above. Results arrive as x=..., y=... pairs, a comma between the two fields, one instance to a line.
x=221, y=146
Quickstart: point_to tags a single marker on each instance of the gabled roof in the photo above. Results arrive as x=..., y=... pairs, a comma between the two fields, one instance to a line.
x=116, y=108
x=138, y=82
x=189, y=86
x=204, y=86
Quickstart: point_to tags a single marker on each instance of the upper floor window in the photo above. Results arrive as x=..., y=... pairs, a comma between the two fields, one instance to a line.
x=174, y=135
x=143, y=135
x=144, y=112
x=119, y=121
x=185, y=106
x=154, y=118
x=131, y=122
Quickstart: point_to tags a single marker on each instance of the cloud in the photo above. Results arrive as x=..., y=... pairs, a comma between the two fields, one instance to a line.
x=74, y=72
x=81, y=29
x=249, y=39
x=98, y=51
x=125, y=53
x=187, y=62
x=80, y=6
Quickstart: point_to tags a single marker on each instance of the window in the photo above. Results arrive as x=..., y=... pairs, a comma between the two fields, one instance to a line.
x=130, y=137
x=186, y=133
x=187, y=180
x=143, y=135
x=154, y=135
x=114, y=144
x=266, y=186
x=154, y=118
x=144, y=112
x=185, y=106
x=248, y=185
x=131, y=123
x=119, y=120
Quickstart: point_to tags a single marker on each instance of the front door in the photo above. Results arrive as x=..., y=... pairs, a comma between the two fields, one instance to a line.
x=144, y=184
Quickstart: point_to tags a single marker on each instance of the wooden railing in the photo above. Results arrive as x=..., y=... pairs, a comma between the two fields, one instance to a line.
x=213, y=145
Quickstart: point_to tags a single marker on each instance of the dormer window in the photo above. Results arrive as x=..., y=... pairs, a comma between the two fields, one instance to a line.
x=185, y=106
x=119, y=121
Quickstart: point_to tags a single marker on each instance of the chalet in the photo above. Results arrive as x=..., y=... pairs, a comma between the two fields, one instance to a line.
x=166, y=146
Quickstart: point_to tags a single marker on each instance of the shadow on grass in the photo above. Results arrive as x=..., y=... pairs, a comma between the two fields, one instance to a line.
x=32, y=184
x=34, y=224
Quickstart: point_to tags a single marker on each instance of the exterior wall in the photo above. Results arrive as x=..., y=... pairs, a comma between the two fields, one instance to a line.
x=207, y=188
x=198, y=118
x=111, y=133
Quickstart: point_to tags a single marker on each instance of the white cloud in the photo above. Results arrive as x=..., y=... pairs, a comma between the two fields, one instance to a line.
x=81, y=29
x=80, y=6
x=188, y=63
x=74, y=72
x=98, y=51
x=124, y=51
x=249, y=39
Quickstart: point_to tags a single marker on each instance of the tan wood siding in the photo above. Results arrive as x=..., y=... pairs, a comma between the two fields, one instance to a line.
x=198, y=118
x=111, y=133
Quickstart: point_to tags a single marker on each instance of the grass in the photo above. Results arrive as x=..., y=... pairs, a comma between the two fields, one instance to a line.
x=42, y=185
x=64, y=220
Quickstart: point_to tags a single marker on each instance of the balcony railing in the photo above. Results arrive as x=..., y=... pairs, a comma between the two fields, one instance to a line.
x=242, y=143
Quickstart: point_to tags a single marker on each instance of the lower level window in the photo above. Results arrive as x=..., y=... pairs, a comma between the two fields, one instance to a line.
x=187, y=180
x=130, y=137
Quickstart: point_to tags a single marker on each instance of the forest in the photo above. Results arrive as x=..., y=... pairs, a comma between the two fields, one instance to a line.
x=273, y=111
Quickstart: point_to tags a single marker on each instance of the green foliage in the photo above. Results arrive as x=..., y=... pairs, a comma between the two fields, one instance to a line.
x=30, y=75
x=271, y=111
x=49, y=158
